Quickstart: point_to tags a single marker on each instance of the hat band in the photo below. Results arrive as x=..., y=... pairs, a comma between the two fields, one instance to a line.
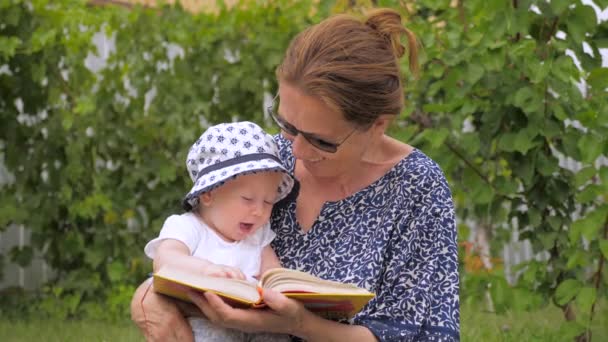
x=237, y=160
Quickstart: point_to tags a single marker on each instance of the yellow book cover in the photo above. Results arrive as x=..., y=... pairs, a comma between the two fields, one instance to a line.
x=327, y=298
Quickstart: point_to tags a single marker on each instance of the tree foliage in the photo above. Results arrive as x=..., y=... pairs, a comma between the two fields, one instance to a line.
x=499, y=103
x=97, y=156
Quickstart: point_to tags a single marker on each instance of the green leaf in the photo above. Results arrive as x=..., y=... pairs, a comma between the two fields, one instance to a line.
x=589, y=194
x=94, y=256
x=67, y=122
x=585, y=298
x=574, y=233
x=480, y=192
x=559, y=113
x=575, y=259
x=546, y=164
x=567, y=290
x=583, y=176
x=8, y=46
x=436, y=136
x=522, y=96
x=590, y=148
x=505, y=185
x=522, y=48
x=493, y=61
x=601, y=43
x=564, y=69
x=84, y=105
x=568, y=330
x=463, y=231
x=534, y=218
x=525, y=171
x=539, y=71
x=581, y=21
x=469, y=142
x=604, y=174
x=521, y=141
x=524, y=141
x=506, y=142
x=116, y=271
x=598, y=78
x=41, y=38
x=474, y=73
x=548, y=240
x=558, y=6
x=587, y=118
x=590, y=225
x=604, y=247
x=555, y=222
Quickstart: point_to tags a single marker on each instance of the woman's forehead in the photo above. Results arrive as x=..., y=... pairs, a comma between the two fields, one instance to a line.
x=308, y=113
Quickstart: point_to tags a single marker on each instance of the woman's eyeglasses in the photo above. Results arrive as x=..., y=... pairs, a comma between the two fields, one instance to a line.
x=315, y=141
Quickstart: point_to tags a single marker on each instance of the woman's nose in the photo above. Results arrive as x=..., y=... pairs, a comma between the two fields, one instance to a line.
x=301, y=147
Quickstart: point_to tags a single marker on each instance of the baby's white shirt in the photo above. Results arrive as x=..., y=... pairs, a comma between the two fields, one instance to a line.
x=203, y=242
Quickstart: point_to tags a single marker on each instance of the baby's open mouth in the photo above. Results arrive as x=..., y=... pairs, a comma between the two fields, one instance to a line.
x=246, y=227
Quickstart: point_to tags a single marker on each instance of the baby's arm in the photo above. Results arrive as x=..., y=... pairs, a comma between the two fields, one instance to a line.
x=176, y=253
x=269, y=259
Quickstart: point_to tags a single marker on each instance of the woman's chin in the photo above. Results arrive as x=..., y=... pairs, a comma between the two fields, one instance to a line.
x=321, y=168
x=312, y=165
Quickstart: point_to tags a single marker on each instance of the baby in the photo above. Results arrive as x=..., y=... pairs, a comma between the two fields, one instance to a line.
x=225, y=231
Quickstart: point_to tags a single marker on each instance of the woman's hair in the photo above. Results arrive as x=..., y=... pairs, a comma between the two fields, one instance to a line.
x=352, y=65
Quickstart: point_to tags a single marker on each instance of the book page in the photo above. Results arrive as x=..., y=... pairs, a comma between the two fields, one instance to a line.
x=174, y=282
x=286, y=280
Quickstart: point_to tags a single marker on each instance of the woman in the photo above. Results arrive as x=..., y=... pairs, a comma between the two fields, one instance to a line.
x=371, y=210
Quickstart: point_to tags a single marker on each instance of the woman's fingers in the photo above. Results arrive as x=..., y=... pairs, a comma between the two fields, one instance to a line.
x=199, y=300
x=292, y=311
x=285, y=316
x=281, y=304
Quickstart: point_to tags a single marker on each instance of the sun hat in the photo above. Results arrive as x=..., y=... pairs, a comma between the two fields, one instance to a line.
x=228, y=150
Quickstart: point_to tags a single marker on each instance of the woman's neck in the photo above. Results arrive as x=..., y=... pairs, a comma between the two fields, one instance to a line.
x=375, y=162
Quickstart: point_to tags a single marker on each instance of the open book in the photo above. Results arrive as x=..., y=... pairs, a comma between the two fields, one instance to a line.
x=328, y=298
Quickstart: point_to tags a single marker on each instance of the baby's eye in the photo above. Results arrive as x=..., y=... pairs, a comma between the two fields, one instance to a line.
x=248, y=199
x=268, y=202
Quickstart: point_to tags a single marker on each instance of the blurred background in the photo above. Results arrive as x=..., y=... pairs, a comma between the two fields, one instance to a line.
x=100, y=101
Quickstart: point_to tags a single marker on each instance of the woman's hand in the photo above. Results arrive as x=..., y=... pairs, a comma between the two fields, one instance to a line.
x=158, y=318
x=286, y=316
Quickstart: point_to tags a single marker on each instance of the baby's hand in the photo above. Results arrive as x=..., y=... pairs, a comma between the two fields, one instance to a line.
x=216, y=270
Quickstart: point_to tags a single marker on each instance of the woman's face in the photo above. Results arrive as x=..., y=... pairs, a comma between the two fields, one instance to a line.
x=311, y=115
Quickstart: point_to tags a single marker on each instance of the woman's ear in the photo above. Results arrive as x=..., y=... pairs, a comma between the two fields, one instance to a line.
x=381, y=124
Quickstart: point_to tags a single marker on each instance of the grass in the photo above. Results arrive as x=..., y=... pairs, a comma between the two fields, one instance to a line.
x=67, y=331
x=542, y=325
x=546, y=324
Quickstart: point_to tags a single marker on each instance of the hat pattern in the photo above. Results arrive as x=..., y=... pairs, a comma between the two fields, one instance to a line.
x=228, y=150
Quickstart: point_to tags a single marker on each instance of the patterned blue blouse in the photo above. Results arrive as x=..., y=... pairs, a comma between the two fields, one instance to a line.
x=396, y=237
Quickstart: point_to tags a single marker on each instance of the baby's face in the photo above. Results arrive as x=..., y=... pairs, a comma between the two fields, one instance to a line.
x=241, y=206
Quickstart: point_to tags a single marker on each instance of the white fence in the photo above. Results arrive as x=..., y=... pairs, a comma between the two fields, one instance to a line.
x=29, y=278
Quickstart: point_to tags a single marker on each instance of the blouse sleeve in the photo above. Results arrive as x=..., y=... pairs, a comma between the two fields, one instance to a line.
x=417, y=295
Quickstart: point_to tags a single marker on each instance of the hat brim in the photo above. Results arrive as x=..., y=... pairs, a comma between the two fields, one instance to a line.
x=217, y=178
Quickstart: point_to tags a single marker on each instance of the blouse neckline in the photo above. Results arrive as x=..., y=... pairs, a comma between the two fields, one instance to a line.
x=329, y=205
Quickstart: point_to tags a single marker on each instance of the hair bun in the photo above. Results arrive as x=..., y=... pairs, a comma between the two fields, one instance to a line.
x=387, y=22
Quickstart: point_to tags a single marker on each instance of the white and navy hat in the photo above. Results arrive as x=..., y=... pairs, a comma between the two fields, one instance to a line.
x=228, y=150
